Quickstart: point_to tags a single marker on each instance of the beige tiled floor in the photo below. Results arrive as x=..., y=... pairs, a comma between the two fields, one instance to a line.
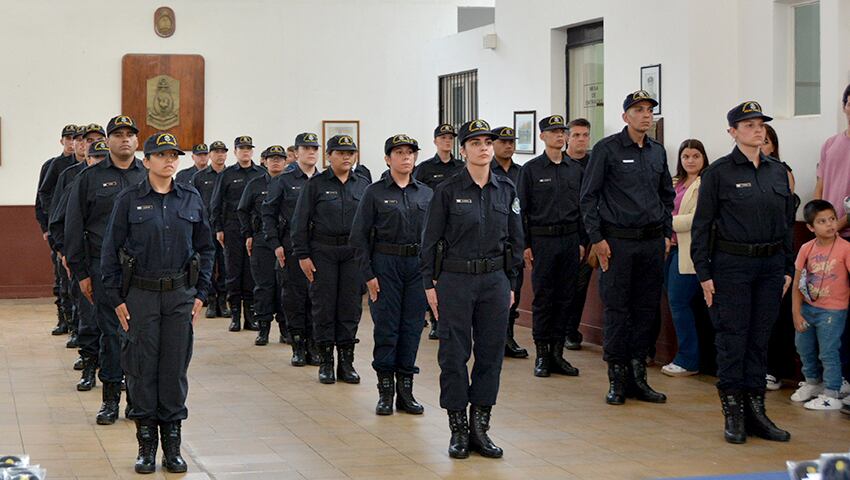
x=254, y=416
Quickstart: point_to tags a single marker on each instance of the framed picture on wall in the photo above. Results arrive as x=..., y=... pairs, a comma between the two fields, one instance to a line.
x=525, y=126
x=650, y=80
x=656, y=131
x=339, y=127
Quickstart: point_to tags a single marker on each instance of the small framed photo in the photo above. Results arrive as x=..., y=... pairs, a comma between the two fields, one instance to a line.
x=650, y=80
x=525, y=126
x=656, y=131
x=338, y=127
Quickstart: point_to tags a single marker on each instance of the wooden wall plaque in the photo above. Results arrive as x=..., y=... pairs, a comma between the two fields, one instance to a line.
x=164, y=92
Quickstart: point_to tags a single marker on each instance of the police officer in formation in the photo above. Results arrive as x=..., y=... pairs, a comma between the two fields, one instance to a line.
x=321, y=225
x=264, y=267
x=471, y=255
x=503, y=164
x=277, y=212
x=200, y=161
x=90, y=203
x=204, y=181
x=387, y=232
x=744, y=258
x=88, y=333
x=156, y=263
x=435, y=171
x=226, y=195
x=548, y=191
x=627, y=203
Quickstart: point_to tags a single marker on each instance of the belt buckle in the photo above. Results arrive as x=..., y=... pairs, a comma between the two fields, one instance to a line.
x=477, y=265
x=166, y=283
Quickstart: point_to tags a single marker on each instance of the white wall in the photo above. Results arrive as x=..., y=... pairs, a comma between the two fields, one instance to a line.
x=274, y=68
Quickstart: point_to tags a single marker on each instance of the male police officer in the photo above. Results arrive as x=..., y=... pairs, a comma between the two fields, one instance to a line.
x=90, y=203
x=200, y=160
x=264, y=267
x=204, y=181
x=503, y=164
x=225, y=199
x=277, y=213
x=549, y=194
x=627, y=203
x=471, y=253
x=435, y=171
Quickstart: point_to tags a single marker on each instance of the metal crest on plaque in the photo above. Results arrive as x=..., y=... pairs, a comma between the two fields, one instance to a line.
x=163, y=102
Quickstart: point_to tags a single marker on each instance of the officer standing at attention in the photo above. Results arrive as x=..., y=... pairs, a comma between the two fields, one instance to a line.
x=204, y=181
x=741, y=244
x=264, y=267
x=435, y=171
x=471, y=255
x=228, y=190
x=157, y=261
x=200, y=159
x=320, y=228
x=627, y=203
x=387, y=232
x=503, y=164
x=87, y=331
x=277, y=213
x=90, y=203
x=64, y=308
x=548, y=191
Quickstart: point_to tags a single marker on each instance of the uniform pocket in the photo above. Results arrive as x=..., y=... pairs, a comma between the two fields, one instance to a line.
x=460, y=208
x=193, y=216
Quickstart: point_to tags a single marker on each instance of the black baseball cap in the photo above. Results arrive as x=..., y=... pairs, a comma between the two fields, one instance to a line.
x=638, y=96
x=275, y=151
x=98, y=149
x=445, y=129
x=218, y=145
x=343, y=143
x=201, y=149
x=162, y=142
x=69, y=130
x=400, y=140
x=93, y=128
x=121, y=121
x=745, y=111
x=504, y=133
x=243, y=141
x=307, y=139
x=81, y=129
x=475, y=128
x=552, y=122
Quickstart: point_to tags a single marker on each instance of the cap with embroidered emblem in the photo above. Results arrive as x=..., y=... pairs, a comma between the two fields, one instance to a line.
x=275, y=151
x=218, y=145
x=201, y=149
x=504, y=133
x=121, y=121
x=400, y=140
x=342, y=143
x=745, y=111
x=552, y=122
x=475, y=128
x=307, y=139
x=98, y=149
x=445, y=129
x=243, y=141
x=638, y=96
x=162, y=142
x=69, y=130
x=93, y=128
x=81, y=129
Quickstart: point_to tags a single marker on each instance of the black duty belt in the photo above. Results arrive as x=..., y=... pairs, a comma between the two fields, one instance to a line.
x=332, y=240
x=165, y=284
x=409, y=250
x=748, y=249
x=642, y=233
x=554, y=230
x=476, y=266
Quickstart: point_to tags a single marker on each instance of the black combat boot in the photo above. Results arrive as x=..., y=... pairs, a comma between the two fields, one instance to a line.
x=479, y=424
x=250, y=322
x=512, y=349
x=638, y=386
x=171, y=437
x=617, y=379
x=756, y=419
x=222, y=309
x=541, y=363
x=345, y=367
x=73, y=341
x=78, y=363
x=734, y=429
x=404, y=400
x=146, y=435
x=326, y=367
x=432, y=334
x=314, y=356
x=236, y=316
x=459, y=443
x=558, y=363
x=263, y=335
x=108, y=412
x=61, y=323
x=299, y=351
x=385, y=394
x=212, y=307
x=573, y=341
x=88, y=379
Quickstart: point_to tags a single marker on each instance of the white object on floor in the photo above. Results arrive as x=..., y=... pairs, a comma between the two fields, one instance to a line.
x=673, y=370
x=822, y=402
x=807, y=391
x=771, y=383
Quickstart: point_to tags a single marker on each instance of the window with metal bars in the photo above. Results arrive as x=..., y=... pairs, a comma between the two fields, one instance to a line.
x=458, y=99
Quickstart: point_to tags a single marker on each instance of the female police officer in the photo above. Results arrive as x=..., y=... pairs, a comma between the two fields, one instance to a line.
x=157, y=262
x=471, y=253
x=386, y=233
x=320, y=228
x=742, y=252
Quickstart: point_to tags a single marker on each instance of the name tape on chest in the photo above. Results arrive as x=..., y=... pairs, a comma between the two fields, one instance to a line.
x=437, y=175
x=296, y=187
x=628, y=160
x=238, y=180
x=113, y=183
x=544, y=180
x=390, y=201
x=331, y=192
x=264, y=193
x=743, y=185
x=144, y=207
x=463, y=200
x=207, y=182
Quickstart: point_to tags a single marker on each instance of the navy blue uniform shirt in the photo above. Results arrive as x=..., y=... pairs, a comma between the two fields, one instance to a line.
x=434, y=171
x=549, y=194
x=204, y=182
x=228, y=191
x=280, y=204
x=185, y=175
x=59, y=205
x=41, y=210
x=512, y=173
x=47, y=187
x=161, y=232
x=248, y=210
